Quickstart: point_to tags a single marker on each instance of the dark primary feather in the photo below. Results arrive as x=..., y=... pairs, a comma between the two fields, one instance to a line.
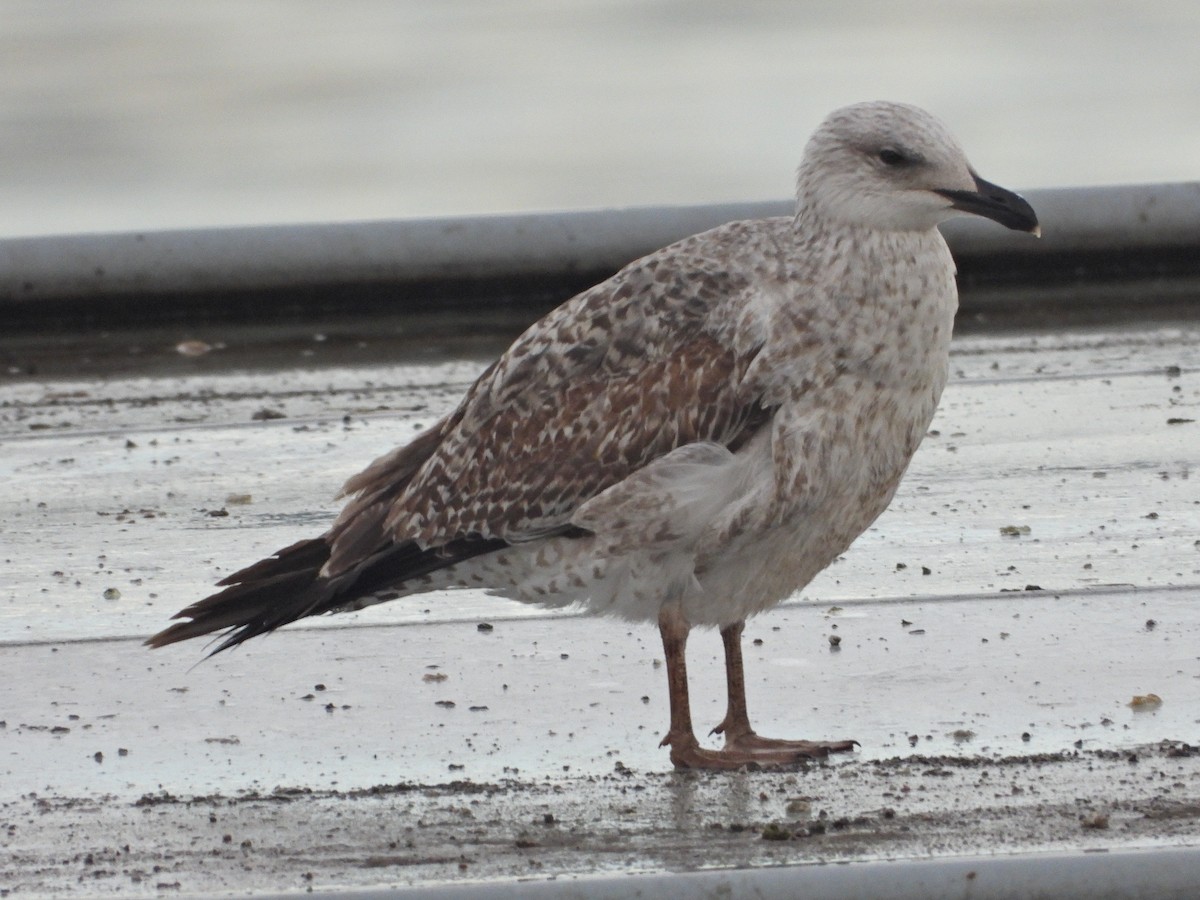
x=288, y=586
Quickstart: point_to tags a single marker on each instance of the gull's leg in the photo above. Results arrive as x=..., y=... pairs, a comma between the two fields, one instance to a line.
x=686, y=752
x=681, y=738
x=736, y=724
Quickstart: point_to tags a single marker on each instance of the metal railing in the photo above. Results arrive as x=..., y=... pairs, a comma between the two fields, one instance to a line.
x=1121, y=247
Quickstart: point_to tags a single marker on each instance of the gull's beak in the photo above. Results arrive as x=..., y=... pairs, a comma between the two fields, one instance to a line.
x=994, y=202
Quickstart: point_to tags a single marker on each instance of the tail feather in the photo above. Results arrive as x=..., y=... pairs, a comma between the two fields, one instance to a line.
x=311, y=553
x=288, y=586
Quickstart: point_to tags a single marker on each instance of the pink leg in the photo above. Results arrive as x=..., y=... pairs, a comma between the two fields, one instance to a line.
x=736, y=724
x=748, y=748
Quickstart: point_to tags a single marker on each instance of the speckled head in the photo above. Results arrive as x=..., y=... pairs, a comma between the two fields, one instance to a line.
x=894, y=166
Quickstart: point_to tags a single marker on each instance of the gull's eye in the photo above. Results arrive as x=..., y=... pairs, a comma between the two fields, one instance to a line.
x=890, y=157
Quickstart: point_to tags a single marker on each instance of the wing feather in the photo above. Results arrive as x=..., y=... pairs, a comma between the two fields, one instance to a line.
x=657, y=357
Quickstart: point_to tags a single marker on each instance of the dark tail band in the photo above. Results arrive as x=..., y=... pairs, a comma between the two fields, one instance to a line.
x=288, y=586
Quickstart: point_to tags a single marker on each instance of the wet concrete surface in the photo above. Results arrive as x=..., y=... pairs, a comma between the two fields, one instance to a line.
x=1039, y=569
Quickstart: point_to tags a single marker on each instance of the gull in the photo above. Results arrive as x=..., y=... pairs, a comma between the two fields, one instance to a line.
x=687, y=443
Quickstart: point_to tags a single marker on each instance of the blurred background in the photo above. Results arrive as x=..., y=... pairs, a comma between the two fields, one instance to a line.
x=134, y=115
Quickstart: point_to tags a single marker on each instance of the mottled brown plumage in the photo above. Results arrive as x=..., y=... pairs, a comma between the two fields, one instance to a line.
x=688, y=442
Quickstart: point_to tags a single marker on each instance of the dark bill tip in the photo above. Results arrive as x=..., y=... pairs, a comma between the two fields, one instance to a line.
x=994, y=202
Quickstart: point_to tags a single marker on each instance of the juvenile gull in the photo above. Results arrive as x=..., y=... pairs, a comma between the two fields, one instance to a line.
x=688, y=442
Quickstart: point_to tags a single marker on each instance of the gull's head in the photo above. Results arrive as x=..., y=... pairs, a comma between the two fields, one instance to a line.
x=896, y=167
